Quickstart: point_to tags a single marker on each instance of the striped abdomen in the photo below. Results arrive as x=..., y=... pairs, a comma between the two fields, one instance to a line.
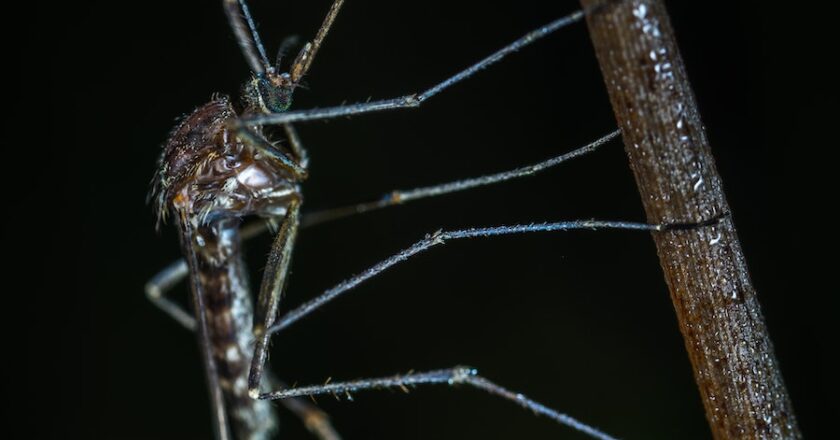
x=229, y=313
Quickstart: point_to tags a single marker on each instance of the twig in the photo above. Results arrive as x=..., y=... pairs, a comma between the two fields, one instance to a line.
x=718, y=312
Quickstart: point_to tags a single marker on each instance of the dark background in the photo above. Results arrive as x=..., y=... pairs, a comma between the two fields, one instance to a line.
x=579, y=321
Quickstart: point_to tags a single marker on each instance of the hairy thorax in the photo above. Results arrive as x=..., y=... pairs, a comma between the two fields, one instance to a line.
x=207, y=172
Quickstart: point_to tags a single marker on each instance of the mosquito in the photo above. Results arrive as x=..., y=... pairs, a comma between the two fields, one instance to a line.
x=222, y=164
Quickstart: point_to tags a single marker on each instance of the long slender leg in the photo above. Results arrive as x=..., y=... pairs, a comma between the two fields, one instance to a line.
x=452, y=377
x=271, y=289
x=401, y=196
x=440, y=237
x=416, y=99
x=163, y=282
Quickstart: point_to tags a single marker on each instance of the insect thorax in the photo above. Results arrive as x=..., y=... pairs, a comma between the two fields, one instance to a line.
x=209, y=171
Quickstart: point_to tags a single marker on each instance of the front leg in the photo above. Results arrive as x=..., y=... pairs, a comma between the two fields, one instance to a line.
x=271, y=289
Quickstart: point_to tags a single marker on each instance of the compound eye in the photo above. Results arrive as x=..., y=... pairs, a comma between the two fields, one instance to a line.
x=276, y=99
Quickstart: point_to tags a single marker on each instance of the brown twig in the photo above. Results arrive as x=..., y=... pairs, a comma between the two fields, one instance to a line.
x=718, y=312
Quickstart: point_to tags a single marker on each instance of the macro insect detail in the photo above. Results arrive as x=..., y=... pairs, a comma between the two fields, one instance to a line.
x=211, y=174
x=220, y=166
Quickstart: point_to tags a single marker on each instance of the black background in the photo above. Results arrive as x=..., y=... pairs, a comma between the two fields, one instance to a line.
x=579, y=321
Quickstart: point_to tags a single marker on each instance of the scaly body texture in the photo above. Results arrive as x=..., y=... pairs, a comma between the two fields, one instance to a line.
x=209, y=179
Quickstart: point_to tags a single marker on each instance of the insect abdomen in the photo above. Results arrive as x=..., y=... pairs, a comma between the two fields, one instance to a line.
x=229, y=314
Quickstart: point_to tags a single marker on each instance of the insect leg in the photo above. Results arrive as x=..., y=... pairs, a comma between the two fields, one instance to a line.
x=316, y=421
x=402, y=196
x=162, y=283
x=271, y=289
x=414, y=100
x=440, y=237
x=452, y=377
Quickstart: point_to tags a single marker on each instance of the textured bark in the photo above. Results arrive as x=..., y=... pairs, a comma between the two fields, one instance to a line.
x=718, y=312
